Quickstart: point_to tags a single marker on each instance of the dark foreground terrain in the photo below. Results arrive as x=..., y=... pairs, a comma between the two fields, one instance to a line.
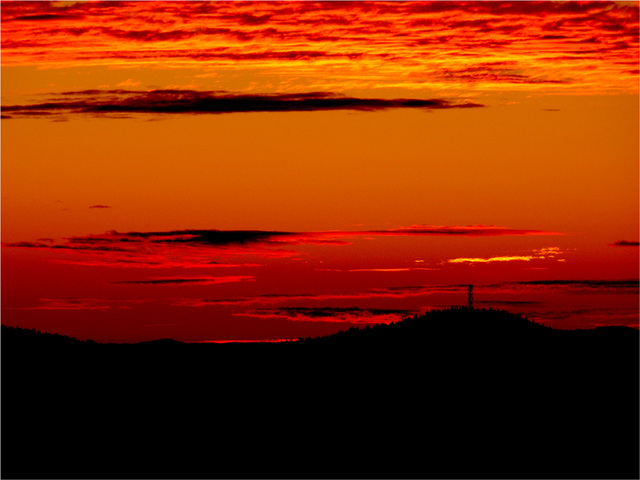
x=453, y=394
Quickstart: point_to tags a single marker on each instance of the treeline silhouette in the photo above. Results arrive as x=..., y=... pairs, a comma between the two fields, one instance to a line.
x=453, y=393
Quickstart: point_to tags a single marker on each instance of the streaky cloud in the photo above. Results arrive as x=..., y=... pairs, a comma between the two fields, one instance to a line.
x=515, y=258
x=194, y=247
x=552, y=45
x=70, y=304
x=208, y=102
x=377, y=293
x=625, y=243
x=191, y=237
x=332, y=314
x=68, y=246
x=78, y=304
x=187, y=280
x=44, y=17
x=536, y=254
x=221, y=238
x=624, y=286
x=508, y=303
x=381, y=270
x=469, y=230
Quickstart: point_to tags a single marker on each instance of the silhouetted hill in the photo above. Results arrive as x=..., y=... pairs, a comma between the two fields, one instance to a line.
x=462, y=323
x=161, y=343
x=25, y=337
x=450, y=324
x=455, y=323
x=455, y=393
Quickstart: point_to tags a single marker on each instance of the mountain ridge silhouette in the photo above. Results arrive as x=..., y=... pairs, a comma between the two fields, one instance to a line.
x=455, y=393
x=482, y=320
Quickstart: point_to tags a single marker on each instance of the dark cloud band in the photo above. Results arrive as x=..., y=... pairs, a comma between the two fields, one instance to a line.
x=131, y=241
x=625, y=243
x=195, y=102
x=333, y=314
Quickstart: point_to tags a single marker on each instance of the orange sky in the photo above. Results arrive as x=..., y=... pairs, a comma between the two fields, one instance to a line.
x=418, y=125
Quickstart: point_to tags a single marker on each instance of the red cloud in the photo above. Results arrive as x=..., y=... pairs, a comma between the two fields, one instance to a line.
x=270, y=299
x=193, y=248
x=332, y=314
x=576, y=43
x=189, y=280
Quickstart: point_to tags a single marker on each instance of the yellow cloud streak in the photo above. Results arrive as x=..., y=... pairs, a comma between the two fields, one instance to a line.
x=540, y=254
x=492, y=259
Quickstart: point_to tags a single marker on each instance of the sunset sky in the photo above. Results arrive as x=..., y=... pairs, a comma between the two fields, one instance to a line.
x=211, y=171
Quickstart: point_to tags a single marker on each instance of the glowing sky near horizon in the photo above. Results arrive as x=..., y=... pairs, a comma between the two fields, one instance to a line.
x=259, y=170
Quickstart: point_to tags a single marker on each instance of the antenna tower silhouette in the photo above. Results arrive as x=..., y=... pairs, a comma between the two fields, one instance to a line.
x=470, y=297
